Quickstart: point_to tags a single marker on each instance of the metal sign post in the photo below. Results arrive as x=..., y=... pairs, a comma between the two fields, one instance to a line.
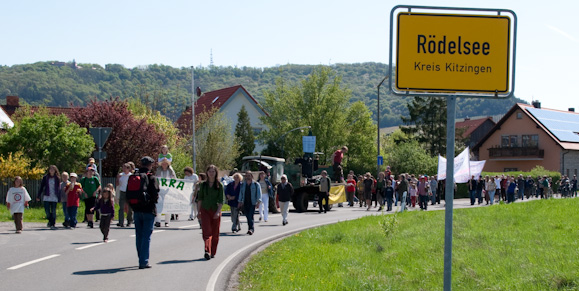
x=449, y=191
x=471, y=53
x=100, y=136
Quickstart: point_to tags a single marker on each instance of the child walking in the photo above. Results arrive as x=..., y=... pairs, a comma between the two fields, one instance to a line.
x=73, y=191
x=413, y=193
x=16, y=199
x=106, y=207
x=63, y=183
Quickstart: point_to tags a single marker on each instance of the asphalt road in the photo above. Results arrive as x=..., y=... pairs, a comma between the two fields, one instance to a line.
x=41, y=258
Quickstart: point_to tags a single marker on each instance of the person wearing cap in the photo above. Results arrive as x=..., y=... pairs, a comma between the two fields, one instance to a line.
x=73, y=191
x=91, y=164
x=91, y=185
x=144, y=216
x=285, y=191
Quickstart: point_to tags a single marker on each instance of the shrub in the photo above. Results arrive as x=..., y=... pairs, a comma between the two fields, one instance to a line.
x=15, y=164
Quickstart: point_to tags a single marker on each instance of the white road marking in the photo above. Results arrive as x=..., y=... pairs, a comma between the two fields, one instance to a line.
x=33, y=262
x=154, y=231
x=187, y=226
x=94, y=245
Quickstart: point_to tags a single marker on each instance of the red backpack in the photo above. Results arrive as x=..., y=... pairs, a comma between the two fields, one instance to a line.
x=137, y=194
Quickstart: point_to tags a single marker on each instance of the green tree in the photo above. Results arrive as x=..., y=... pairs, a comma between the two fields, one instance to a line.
x=214, y=142
x=48, y=139
x=360, y=133
x=427, y=123
x=318, y=101
x=410, y=157
x=244, y=135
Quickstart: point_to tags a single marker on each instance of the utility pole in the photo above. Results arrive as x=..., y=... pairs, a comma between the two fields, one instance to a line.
x=378, y=125
x=193, y=117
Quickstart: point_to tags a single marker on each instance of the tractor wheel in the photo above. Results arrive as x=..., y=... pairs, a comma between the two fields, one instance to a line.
x=301, y=202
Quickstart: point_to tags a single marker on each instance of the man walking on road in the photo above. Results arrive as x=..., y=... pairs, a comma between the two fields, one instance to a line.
x=249, y=198
x=144, y=213
x=285, y=191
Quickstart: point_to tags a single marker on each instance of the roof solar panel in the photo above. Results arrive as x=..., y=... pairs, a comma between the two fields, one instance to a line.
x=564, y=125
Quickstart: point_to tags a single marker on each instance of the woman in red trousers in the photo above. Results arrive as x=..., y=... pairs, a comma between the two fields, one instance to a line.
x=209, y=201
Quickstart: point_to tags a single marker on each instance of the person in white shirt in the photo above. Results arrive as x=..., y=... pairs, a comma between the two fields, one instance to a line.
x=122, y=180
x=189, y=175
x=16, y=199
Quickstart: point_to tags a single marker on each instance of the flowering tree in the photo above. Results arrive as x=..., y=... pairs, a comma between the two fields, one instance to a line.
x=130, y=139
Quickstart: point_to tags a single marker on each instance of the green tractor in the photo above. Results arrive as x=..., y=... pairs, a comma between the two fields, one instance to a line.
x=303, y=174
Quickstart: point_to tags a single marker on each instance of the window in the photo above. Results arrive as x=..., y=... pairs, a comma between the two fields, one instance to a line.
x=514, y=141
x=511, y=169
x=519, y=115
x=504, y=141
x=530, y=140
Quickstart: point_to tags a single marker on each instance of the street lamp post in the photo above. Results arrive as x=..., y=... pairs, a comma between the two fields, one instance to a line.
x=193, y=117
x=378, y=123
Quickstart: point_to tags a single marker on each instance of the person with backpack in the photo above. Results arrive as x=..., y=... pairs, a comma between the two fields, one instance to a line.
x=209, y=202
x=142, y=195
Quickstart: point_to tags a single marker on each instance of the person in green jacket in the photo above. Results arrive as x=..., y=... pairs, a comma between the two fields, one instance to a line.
x=209, y=201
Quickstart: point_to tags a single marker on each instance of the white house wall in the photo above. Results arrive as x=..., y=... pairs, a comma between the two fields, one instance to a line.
x=232, y=107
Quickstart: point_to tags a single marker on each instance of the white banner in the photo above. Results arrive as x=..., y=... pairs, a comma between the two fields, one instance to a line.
x=463, y=167
x=175, y=196
x=476, y=168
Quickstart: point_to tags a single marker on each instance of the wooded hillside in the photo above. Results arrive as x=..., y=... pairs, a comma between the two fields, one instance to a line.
x=168, y=89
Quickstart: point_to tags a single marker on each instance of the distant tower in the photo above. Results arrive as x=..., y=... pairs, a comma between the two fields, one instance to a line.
x=211, y=58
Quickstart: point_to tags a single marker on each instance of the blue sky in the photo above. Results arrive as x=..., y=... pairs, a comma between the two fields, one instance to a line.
x=269, y=33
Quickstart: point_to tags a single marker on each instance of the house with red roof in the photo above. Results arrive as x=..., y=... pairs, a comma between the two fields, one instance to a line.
x=229, y=102
x=473, y=130
x=529, y=136
x=13, y=103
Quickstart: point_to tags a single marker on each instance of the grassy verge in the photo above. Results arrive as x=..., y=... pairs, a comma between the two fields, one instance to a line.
x=522, y=246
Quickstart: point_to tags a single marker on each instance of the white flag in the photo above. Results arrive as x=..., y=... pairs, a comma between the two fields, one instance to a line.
x=476, y=168
x=461, y=167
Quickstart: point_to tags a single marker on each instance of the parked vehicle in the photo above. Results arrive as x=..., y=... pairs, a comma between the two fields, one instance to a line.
x=303, y=174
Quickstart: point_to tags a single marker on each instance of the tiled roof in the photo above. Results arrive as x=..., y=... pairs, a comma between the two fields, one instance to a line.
x=208, y=102
x=10, y=109
x=547, y=125
x=471, y=125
